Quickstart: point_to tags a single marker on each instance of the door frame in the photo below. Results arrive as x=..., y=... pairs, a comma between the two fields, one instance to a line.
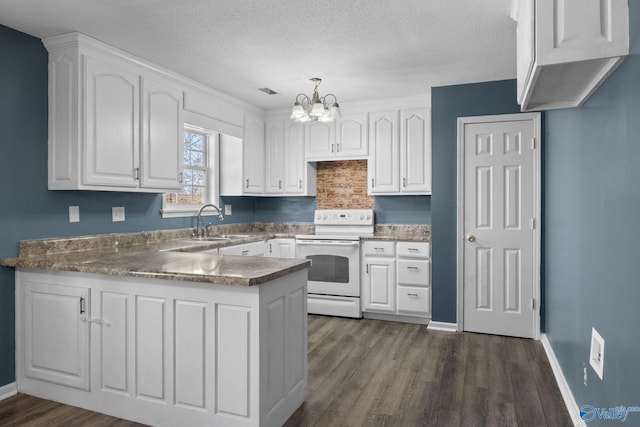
x=462, y=121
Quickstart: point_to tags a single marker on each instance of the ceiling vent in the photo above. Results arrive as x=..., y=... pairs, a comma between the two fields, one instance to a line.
x=268, y=91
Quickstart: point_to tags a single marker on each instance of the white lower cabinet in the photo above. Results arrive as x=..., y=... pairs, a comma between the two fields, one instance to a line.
x=161, y=352
x=55, y=333
x=396, y=278
x=281, y=248
x=245, y=249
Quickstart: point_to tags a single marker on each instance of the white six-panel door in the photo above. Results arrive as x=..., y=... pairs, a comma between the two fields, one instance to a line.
x=498, y=224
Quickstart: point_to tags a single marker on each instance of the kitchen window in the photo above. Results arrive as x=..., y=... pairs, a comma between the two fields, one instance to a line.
x=199, y=176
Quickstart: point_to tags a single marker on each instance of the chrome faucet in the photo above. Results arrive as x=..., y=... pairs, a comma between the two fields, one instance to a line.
x=199, y=229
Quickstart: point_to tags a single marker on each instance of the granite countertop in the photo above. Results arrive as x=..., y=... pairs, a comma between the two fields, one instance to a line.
x=174, y=255
x=176, y=259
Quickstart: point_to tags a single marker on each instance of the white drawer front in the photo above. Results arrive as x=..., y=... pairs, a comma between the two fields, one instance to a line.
x=413, y=301
x=410, y=272
x=414, y=249
x=373, y=248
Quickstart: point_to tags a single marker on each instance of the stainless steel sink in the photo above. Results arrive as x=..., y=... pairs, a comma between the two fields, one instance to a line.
x=215, y=237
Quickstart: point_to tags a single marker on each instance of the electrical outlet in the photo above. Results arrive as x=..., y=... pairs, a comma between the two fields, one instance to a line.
x=596, y=354
x=227, y=209
x=74, y=213
x=117, y=214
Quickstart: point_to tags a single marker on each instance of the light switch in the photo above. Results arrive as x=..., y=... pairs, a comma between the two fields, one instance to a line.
x=117, y=214
x=74, y=213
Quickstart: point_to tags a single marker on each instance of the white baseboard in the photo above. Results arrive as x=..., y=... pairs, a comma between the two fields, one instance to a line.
x=443, y=326
x=567, y=396
x=8, y=390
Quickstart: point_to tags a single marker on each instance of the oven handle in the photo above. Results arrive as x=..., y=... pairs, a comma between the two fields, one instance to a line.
x=326, y=243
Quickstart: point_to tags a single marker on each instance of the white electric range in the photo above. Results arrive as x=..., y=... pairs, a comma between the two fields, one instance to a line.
x=334, y=251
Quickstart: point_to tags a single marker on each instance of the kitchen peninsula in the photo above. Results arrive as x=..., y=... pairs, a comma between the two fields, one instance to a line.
x=155, y=332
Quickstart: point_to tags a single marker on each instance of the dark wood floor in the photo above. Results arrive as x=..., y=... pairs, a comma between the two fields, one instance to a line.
x=376, y=373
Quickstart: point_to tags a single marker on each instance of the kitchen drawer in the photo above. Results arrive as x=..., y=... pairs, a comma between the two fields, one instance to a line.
x=414, y=249
x=412, y=272
x=378, y=248
x=413, y=301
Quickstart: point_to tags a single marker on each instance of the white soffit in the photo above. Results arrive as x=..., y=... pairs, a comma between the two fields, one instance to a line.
x=365, y=49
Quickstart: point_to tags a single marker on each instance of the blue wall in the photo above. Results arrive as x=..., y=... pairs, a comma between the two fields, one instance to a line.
x=447, y=104
x=592, y=238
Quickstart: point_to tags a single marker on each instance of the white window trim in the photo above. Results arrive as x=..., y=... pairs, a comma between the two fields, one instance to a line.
x=182, y=211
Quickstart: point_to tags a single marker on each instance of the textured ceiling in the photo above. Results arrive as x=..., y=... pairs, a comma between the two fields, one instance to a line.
x=364, y=49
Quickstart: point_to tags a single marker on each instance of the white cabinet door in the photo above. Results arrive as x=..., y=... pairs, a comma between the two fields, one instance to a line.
x=383, y=165
x=352, y=139
x=320, y=140
x=281, y=248
x=253, y=155
x=111, y=120
x=245, y=249
x=56, y=333
x=379, y=287
x=161, y=156
x=566, y=49
x=275, y=157
x=295, y=169
x=415, y=151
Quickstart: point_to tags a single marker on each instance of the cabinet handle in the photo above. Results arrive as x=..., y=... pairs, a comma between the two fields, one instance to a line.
x=338, y=147
x=412, y=295
x=247, y=183
x=373, y=183
x=367, y=268
x=82, y=306
x=410, y=267
x=245, y=253
x=413, y=249
x=332, y=147
x=270, y=248
x=379, y=249
x=404, y=182
x=279, y=185
x=300, y=184
x=136, y=174
x=180, y=177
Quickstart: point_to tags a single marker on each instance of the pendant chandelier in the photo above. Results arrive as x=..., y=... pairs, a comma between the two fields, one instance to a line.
x=316, y=108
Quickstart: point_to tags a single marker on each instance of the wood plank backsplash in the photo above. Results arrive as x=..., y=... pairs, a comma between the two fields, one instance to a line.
x=343, y=185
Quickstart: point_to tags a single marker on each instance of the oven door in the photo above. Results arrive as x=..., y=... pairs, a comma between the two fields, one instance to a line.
x=335, y=266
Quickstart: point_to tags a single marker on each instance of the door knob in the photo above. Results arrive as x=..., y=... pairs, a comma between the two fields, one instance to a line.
x=471, y=238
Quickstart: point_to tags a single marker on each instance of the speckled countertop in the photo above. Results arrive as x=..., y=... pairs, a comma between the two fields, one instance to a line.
x=173, y=259
x=174, y=255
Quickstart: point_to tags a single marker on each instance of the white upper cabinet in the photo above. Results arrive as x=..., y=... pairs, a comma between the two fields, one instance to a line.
x=161, y=159
x=383, y=166
x=400, y=152
x=274, y=158
x=299, y=176
x=320, y=140
x=101, y=104
x=344, y=139
x=287, y=172
x=415, y=151
x=253, y=155
x=352, y=137
x=111, y=118
x=567, y=48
